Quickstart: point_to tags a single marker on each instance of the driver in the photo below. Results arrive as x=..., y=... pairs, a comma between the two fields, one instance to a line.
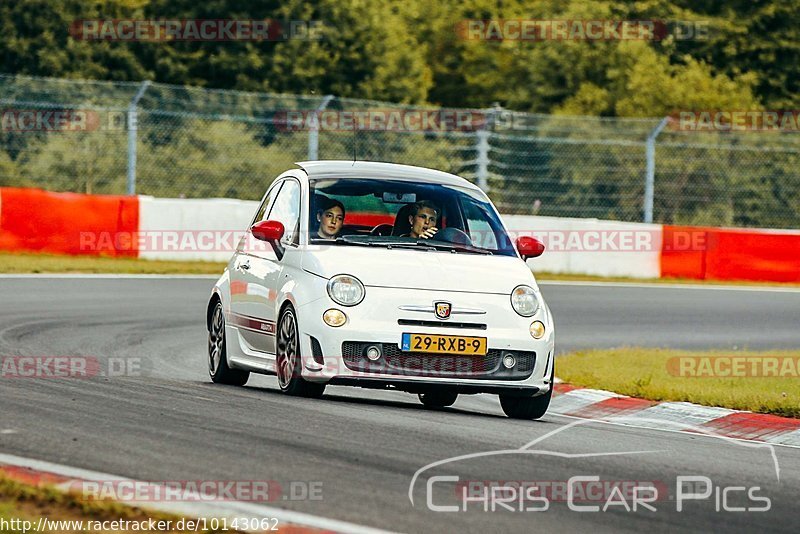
x=330, y=217
x=423, y=220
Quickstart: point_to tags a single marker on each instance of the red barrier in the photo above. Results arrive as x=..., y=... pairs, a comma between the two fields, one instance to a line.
x=743, y=255
x=32, y=220
x=682, y=262
x=728, y=254
x=368, y=219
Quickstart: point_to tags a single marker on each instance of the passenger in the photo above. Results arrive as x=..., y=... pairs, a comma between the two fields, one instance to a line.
x=423, y=220
x=330, y=217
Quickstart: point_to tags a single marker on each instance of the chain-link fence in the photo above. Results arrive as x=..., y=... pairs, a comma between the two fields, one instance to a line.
x=175, y=141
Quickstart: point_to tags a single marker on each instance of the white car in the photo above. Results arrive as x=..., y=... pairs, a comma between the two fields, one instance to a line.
x=383, y=276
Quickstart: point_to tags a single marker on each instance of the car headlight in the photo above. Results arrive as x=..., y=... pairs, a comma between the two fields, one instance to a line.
x=346, y=290
x=524, y=301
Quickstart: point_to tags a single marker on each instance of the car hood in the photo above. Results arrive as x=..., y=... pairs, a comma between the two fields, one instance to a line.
x=411, y=269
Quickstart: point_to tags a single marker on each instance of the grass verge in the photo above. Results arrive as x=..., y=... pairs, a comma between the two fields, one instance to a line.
x=51, y=263
x=765, y=382
x=25, y=502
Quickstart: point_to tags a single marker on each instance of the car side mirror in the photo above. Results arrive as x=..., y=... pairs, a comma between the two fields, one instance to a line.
x=271, y=232
x=529, y=247
x=268, y=230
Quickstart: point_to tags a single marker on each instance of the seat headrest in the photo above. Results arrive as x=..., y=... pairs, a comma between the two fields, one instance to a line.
x=318, y=201
x=401, y=224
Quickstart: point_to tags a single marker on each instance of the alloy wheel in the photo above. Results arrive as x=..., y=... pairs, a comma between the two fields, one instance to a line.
x=216, y=339
x=287, y=349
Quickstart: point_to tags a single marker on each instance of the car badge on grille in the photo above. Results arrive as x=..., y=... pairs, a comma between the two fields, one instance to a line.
x=442, y=309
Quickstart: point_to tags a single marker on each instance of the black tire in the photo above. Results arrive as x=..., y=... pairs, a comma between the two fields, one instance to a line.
x=288, y=363
x=438, y=399
x=218, y=368
x=525, y=407
x=528, y=407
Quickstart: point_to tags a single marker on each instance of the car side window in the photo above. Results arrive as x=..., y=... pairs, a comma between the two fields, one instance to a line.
x=261, y=215
x=481, y=234
x=286, y=209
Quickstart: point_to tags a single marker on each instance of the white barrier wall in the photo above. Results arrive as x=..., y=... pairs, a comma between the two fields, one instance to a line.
x=207, y=229
x=592, y=246
x=192, y=229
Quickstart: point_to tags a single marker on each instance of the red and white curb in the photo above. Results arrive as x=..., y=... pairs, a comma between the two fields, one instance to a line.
x=612, y=407
x=67, y=478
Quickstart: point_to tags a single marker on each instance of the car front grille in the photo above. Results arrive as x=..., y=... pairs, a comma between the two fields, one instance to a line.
x=393, y=361
x=441, y=324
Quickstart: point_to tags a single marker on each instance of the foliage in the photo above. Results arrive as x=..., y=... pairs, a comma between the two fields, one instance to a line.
x=411, y=52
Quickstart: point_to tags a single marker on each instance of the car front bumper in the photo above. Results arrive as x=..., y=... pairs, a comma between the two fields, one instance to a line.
x=328, y=352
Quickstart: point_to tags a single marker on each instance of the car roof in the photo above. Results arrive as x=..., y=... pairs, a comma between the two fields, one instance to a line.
x=379, y=170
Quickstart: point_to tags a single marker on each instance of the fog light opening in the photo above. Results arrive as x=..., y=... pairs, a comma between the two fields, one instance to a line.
x=334, y=317
x=509, y=361
x=537, y=329
x=373, y=353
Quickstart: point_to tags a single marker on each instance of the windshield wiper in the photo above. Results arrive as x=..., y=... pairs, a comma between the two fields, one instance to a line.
x=460, y=248
x=386, y=243
x=414, y=245
x=338, y=241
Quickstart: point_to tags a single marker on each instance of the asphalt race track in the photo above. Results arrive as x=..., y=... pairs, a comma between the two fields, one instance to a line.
x=725, y=317
x=168, y=422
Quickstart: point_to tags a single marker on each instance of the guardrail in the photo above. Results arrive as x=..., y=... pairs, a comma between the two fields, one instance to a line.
x=33, y=220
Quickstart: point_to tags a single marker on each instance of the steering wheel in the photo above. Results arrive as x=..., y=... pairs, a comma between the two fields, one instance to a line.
x=382, y=229
x=453, y=235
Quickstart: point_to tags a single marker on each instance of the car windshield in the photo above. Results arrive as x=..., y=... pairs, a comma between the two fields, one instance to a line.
x=403, y=214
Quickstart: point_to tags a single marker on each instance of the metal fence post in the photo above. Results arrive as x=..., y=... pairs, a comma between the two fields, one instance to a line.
x=650, y=176
x=133, y=126
x=482, y=148
x=313, y=133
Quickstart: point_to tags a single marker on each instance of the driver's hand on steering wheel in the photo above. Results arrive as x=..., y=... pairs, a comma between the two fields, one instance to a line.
x=429, y=233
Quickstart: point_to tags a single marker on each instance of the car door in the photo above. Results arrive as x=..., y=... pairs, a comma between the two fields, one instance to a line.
x=248, y=294
x=265, y=267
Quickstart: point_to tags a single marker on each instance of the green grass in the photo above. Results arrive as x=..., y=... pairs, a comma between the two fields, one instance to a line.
x=28, y=502
x=656, y=374
x=51, y=263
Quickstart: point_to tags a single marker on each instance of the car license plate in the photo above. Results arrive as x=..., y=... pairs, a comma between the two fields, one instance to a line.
x=443, y=344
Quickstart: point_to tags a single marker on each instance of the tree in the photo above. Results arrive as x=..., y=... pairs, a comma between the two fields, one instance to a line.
x=367, y=51
x=35, y=39
x=752, y=36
